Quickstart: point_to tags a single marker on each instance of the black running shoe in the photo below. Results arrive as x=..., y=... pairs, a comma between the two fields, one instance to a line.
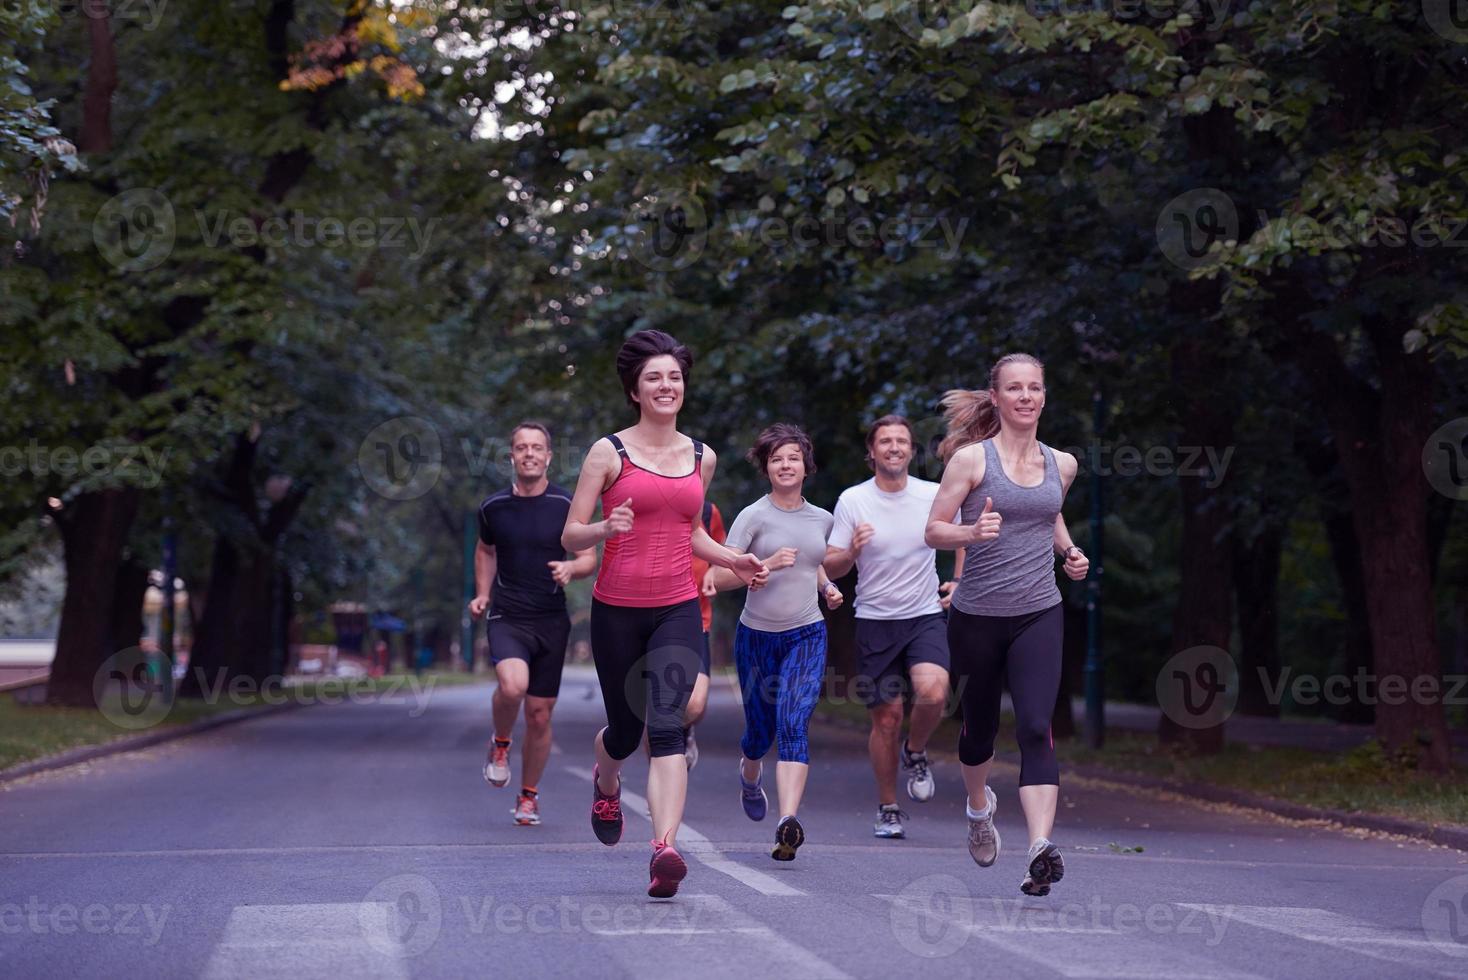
x=789, y=835
x=606, y=812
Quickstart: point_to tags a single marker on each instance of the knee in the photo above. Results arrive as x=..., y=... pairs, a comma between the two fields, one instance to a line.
x=513, y=691
x=666, y=740
x=1032, y=733
x=930, y=692
x=537, y=719
x=887, y=719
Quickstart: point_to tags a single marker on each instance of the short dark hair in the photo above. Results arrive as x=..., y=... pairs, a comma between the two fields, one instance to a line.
x=881, y=423
x=538, y=427
x=642, y=347
x=777, y=435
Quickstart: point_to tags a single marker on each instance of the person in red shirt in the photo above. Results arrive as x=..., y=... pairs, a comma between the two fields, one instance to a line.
x=646, y=627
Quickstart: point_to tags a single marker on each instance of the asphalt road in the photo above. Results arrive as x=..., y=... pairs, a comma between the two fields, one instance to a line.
x=360, y=840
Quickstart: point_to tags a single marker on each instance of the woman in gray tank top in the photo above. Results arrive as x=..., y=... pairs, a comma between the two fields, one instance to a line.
x=1006, y=618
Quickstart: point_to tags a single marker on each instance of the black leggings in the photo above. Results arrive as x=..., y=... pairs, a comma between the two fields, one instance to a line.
x=647, y=659
x=1025, y=649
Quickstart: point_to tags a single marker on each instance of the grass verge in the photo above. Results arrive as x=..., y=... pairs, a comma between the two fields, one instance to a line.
x=1363, y=780
x=29, y=732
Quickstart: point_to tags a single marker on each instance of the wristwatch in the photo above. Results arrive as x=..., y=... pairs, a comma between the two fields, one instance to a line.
x=1067, y=552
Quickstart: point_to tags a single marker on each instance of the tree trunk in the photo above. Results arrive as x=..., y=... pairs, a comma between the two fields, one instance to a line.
x=1256, y=584
x=127, y=604
x=1204, y=613
x=1380, y=435
x=94, y=531
x=1345, y=554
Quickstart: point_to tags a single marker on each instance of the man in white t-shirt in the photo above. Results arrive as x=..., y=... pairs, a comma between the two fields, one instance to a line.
x=901, y=630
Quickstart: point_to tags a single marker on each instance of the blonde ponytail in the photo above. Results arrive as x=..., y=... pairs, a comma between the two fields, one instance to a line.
x=971, y=418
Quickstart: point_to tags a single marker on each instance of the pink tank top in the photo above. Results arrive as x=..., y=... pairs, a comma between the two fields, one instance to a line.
x=651, y=565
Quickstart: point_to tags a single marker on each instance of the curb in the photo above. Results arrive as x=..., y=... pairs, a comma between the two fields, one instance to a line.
x=132, y=743
x=1446, y=835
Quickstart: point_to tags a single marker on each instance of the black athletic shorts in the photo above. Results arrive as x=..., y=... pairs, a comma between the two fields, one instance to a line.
x=540, y=642
x=886, y=650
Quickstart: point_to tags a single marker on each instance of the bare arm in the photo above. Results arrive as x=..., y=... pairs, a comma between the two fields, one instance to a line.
x=963, y=472
x=838, y=561
x=584, y=564
x=600, y=468
x=485, y=564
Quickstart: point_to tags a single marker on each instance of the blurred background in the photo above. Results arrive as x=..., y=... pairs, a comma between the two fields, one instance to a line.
x=279, y=277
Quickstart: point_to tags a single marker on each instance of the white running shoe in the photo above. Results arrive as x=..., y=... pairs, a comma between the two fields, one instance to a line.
x=889, y=822
x=920, y=785
x=983, y=836
x=497, y=766
x=1046, y=868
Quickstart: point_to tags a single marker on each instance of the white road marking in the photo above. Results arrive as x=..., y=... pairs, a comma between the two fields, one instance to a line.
x=690, y=841
x=1095, y=950
x=290, y=941
x=1340, y=931
x=749, y=948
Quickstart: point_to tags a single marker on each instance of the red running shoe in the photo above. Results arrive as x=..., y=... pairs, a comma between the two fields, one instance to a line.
x=606, y=812
x=666, y=870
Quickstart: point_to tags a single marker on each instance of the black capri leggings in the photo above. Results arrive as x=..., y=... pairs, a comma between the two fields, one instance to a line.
x=1026, y=649
x=647, y=659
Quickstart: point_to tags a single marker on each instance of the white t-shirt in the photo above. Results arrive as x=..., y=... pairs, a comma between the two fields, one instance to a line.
x=896, y=577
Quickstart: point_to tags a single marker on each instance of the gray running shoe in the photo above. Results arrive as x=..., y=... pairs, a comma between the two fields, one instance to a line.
x=1046, y=868
x=983, y=836
x=920, y=785
x=889, y=822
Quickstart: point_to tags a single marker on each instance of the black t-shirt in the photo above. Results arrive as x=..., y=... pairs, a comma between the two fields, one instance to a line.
x=526, y=534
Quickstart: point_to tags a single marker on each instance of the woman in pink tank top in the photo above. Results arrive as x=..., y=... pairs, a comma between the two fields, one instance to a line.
x=646, y=628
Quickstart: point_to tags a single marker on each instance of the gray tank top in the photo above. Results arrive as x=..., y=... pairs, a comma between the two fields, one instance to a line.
x=1015, y=573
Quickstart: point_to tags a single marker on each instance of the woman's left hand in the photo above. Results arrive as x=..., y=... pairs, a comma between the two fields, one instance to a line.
x=747, y=566
x=1077, y=565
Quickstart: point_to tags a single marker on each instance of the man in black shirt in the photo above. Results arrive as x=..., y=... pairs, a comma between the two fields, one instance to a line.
x=520, y=573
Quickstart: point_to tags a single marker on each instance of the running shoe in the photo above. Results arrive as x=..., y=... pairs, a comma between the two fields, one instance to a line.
x=889, y=822
x=752, y=795
x=497, y=767
x=1046, y=868
x=606, y=812
x=690, y=747
x=983, y=836
x=527, y=811
x=789, y=835
x=665, y=871
x=920, y=785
